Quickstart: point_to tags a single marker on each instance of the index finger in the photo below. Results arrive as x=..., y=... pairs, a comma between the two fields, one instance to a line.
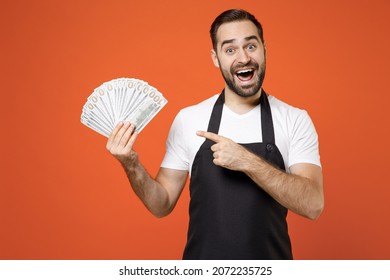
x=210, y=135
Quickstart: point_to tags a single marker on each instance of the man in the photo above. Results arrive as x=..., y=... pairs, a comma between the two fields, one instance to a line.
x=250, y=157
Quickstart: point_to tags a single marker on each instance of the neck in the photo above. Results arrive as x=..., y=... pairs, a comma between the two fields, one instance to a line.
x=239, y=104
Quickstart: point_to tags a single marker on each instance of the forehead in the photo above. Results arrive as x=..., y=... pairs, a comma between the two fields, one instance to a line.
x=236, y=30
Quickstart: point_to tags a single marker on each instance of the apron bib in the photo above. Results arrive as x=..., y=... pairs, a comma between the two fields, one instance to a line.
x=230, y=216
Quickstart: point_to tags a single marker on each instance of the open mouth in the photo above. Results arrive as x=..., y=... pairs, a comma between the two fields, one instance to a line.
x=245, y=74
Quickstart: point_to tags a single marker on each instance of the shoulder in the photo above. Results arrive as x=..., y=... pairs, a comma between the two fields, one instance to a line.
x=288, y=114
x=295, y=132
x=194, y=117
x=291, y=122
x=282, y=107
x=199, y=109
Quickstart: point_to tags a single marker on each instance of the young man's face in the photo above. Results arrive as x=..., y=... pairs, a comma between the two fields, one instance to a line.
x=240, y=55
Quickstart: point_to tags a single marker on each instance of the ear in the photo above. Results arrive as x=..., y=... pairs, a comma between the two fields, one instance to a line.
x=214, y=58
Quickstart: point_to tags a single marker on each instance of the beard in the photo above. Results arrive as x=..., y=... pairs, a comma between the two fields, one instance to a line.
x=246, y=90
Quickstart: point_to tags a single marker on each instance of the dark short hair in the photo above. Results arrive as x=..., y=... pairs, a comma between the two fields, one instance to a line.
x=231, y=16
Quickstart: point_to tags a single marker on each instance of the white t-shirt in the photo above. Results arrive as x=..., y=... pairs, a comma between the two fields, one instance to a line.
x=295, y=135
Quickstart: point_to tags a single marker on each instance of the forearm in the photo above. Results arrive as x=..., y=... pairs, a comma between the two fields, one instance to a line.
x=153, y=195
x=300, y=194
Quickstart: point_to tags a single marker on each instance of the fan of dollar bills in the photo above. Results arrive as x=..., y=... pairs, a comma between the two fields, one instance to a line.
x=122, y=99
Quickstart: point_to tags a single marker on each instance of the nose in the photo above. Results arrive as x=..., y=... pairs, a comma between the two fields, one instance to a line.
x=243, y=57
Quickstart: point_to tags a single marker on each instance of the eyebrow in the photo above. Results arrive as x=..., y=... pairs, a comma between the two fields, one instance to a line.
x=246, y=39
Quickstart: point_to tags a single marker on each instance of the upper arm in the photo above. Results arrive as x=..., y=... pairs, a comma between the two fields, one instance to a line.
x=303, y=140
x=173, y=181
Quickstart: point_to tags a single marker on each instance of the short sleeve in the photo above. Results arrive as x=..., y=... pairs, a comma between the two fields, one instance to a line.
x=304, y=141
x=175, y=155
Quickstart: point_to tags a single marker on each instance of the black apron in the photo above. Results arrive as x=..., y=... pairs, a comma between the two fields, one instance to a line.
x=230, y=216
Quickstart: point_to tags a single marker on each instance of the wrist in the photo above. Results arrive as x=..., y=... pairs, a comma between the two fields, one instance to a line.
x=252, y=164
x=130, y=162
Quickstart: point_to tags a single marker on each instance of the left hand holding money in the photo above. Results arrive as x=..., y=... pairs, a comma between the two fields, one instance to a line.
x=121, y=141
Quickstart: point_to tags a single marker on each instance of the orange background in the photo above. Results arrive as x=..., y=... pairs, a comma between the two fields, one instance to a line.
x=63, y=196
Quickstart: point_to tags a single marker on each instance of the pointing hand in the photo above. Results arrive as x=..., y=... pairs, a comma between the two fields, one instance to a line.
x=226, y=152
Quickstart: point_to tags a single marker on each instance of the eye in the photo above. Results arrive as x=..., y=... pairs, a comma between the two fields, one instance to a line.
x=229, y=50
x=251, y=47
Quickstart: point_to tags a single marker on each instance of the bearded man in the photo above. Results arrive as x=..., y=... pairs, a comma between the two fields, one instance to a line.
x=250, y=157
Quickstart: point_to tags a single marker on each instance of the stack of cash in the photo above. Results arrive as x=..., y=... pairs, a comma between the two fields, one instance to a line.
x=123, y=99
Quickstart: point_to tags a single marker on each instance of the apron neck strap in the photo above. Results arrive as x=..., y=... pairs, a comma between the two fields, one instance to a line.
x=267, y=125
x=266, y=117
x=216, y=114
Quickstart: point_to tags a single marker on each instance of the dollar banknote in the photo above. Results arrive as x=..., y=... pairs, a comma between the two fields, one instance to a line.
x=123, y=99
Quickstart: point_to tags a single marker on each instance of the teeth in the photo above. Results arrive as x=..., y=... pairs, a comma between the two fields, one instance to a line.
x=244, y=71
